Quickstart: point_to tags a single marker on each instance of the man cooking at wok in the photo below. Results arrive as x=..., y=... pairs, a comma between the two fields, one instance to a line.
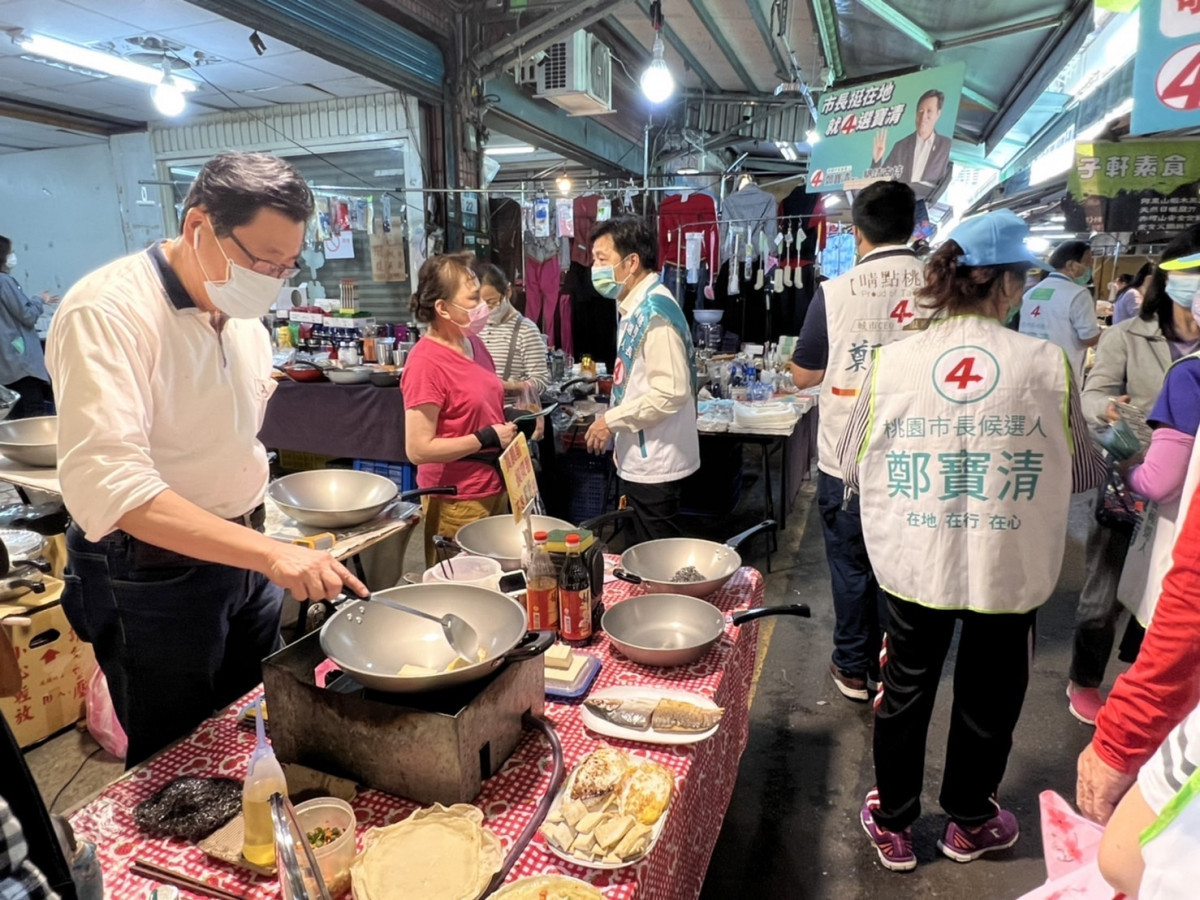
x=161, y=373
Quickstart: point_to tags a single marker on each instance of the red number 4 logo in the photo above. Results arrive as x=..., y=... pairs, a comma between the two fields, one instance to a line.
x=901, y=313
x=1037, y=311
x=963, y=374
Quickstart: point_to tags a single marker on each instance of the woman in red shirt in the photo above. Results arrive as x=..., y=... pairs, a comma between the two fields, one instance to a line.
x=453, y=401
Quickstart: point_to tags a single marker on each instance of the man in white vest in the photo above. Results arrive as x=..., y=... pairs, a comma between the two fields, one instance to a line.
x=1060, y=308
x=871, y=305
x=652, y=421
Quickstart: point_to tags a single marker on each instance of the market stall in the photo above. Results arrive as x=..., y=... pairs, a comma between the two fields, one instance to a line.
x=356, y=421
x=704, y=774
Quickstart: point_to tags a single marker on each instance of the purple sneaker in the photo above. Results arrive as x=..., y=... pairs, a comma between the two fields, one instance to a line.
x=895, y=848
x=963, y=845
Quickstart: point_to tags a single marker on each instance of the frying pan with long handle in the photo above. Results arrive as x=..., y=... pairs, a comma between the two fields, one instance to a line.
x=656, y=564
x=676, y=629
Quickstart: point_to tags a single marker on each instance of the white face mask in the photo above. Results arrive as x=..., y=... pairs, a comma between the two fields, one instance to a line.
x=500, y=313
x=10, y=261
x=244, y=294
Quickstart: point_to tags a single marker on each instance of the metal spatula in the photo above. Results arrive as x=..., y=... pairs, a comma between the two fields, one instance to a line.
x=461, y=637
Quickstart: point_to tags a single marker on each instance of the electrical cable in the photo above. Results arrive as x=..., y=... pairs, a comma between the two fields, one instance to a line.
x=53, y=803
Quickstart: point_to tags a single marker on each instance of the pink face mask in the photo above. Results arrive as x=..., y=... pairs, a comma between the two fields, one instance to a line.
x=477, y=317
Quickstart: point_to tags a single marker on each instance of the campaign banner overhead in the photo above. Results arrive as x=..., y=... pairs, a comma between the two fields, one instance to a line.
x=1146, y=187
x=896, y=129
x=1166, y=68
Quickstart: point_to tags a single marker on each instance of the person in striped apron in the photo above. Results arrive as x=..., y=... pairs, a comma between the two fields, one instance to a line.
x=965, y=447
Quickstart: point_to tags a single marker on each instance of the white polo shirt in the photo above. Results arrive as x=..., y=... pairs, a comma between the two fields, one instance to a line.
x=152, y=395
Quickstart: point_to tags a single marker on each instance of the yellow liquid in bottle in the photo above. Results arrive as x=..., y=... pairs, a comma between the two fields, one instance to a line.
x=259, y=844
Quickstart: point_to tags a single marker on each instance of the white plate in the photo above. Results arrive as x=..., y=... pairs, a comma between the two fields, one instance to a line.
x=655, y=833
x=649, y=736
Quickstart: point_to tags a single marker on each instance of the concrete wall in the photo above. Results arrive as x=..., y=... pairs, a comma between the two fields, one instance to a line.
x=71, y=210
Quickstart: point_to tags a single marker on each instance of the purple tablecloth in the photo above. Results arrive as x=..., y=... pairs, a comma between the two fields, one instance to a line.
x=359, y=421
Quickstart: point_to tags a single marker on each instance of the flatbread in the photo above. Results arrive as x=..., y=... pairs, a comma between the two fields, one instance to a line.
x=599, y=773
x=439, y=853
x=548, y=887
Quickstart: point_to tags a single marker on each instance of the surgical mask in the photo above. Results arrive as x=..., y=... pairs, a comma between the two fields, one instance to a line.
x=477, y=317
x=604, y=280
x=498, y=315
x=244, y=294
x=1084, y=278
x=1182, y=289
x=10, y=261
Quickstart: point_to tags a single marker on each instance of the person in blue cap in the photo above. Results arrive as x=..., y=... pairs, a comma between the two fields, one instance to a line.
x=965, y=447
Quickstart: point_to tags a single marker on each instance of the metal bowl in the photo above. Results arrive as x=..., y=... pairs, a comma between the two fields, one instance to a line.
x=353, y=375
x=385, y=379
x=333, y=498
x=499, y=538
x=31, y=442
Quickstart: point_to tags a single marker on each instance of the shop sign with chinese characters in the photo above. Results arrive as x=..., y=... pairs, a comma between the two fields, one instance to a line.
x=1166, y=69
x=1147, y=187
x=897, y=129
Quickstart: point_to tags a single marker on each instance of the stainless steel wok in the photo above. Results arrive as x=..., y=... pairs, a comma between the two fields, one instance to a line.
x=341, y=498
x=655, y=563
x=499, y=538
x=31, y=442
x=675, y=629
x=372, y=642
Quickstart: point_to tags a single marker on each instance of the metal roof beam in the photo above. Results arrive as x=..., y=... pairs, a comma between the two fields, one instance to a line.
x=718, y=36
x=900, y=22
x=1040, y=24
x=528, y=40
x=583, y=20
x=826, y=18
x=783, y=68
x=979, y=100
x=682, y=49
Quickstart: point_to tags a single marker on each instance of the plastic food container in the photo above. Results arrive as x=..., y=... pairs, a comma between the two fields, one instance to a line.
x=481, y=571
x=333, y=858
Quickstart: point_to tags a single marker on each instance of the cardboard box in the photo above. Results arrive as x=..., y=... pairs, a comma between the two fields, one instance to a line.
x=55, y=666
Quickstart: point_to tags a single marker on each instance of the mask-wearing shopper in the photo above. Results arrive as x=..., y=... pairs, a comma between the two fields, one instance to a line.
x=1060, y=309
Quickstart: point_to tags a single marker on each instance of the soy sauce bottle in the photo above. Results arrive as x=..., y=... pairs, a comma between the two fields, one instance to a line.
x=574, y=596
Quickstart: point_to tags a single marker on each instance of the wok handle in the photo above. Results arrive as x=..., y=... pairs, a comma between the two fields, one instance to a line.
x=616, y=515
x=736, y=541
x=792, y=609
x=422, y=492
x=627, y=577
x=534, y=644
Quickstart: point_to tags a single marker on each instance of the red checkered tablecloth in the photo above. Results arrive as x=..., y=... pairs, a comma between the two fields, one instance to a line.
x=705, y=772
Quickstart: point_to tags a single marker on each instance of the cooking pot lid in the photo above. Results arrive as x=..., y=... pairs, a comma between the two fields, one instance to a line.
x=21, y=544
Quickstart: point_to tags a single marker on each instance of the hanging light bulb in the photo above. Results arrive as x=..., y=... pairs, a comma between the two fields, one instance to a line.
x=564, y=184
x=657, y=81
x=168, y=98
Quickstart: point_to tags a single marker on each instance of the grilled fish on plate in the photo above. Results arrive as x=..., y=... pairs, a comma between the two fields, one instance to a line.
x=671, y=716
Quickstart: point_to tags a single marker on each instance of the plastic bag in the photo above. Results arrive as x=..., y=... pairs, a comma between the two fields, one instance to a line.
x=102, y=718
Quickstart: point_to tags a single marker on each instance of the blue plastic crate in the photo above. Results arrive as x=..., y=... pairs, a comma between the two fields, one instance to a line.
x=404, y=474
x=585, y=481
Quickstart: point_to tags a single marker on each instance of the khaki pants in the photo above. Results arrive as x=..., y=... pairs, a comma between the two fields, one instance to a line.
x=445, y=515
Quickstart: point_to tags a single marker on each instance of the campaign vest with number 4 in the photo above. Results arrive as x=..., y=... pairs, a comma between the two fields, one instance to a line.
x=871, y=305
x=965, y=474
x=1153, y=543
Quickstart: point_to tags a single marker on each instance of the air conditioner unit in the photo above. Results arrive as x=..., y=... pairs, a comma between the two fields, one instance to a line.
x=576, y=75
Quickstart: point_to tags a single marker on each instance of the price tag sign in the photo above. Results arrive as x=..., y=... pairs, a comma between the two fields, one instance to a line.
x=520, y=480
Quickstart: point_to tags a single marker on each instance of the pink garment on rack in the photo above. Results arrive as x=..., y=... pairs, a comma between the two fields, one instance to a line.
x=560, y=314
x=542, y=278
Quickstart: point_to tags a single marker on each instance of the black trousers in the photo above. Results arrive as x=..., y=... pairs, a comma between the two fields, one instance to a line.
x=176, y=638
x=990, y=677
x=656, y=507
x=34, y=395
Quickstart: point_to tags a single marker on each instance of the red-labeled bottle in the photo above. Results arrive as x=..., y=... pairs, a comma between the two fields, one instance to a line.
x=541, y=595
x=574, y=596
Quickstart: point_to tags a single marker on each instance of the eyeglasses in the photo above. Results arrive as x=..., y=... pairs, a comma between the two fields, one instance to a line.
x=265, y=266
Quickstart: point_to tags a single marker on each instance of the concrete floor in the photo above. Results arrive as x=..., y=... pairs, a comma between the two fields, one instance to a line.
x=792, y=829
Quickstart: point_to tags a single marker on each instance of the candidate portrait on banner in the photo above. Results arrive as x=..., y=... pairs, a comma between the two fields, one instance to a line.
x=921, y=156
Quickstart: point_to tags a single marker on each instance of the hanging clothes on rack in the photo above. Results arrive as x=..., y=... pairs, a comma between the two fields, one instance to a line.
x=586, y=212
x=802, y=214
x=592, y=315
x=756, y=210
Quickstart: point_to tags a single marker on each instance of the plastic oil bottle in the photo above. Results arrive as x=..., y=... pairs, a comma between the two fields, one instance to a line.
x=542, y=588
x=264, y=777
